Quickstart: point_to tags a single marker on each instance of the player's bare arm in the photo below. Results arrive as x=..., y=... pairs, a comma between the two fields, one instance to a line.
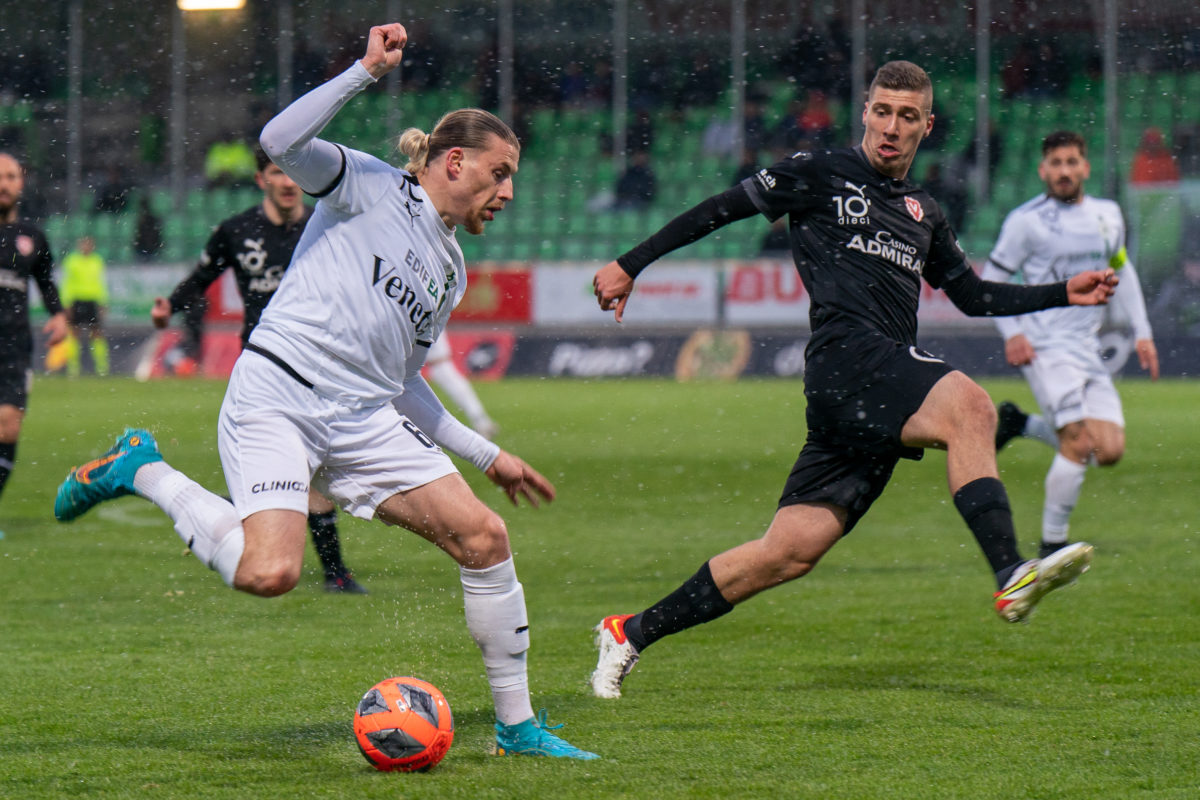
x=518, y=479
x=612, y=287
x=1092, y=287
x=160, y=312
x=1147, y=355
x=56, y=328
x=1018, y=351
x=385, y=49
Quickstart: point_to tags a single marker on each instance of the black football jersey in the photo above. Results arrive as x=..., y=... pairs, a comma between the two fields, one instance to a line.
x=24, y=254
x=862, y=241
x=257, y=250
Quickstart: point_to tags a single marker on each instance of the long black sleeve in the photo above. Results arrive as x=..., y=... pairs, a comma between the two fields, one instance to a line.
x=979, y=298
x=695, y=223
x=43, y=276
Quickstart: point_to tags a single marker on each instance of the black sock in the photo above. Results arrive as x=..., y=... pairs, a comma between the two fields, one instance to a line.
x=8, y=454
x=983, y=503
x=697, y=601
x=325, y=540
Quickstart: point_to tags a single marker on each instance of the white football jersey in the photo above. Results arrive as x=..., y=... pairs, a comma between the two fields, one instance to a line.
x=1046, y=241
x=371, y=285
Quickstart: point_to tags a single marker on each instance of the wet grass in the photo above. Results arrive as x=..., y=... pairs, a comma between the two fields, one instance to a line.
x=129, y=670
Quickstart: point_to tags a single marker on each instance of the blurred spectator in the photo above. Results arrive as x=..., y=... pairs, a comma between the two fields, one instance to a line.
x=308, y=67
x=572, y=86
x=746, y=167
x=702, y=85
x=1153, y=162
x=637, y=185
x=113, y=195
x=639, y=136
x=995, y=150
x=147, y=236
x=230, y=162
x=809, y=123
x=1048, y=73
x=717, y=139
x=754, y=122
x=820, y=58
x=600, y=86
x=950, y=192
x=1014, y=76
x=85, y=294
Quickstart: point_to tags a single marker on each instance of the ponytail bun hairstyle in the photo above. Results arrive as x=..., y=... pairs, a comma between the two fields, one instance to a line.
x=467, y=128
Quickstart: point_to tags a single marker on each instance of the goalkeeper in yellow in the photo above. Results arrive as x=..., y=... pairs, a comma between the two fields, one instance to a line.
x=1050, y=238
x=85, y=295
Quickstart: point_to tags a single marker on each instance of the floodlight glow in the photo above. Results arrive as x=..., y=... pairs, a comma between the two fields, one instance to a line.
x=210, y=5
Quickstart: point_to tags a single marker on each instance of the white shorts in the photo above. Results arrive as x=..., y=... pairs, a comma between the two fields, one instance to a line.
x=1071, y=386
x=276, y=436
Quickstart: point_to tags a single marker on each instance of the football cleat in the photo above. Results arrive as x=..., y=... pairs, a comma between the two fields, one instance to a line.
x=1010, y=423
x=343, y=583
x=106, y=477
x=1033, y=580
x=617, y=657
x=1049, y=548
x=533, y=738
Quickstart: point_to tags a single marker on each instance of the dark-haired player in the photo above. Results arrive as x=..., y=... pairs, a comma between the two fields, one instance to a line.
x=24, y=255
x=863, y=237
x=1061, y=232
x=257, y=244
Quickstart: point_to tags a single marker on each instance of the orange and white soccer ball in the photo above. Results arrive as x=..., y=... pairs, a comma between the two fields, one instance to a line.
x=403, y=724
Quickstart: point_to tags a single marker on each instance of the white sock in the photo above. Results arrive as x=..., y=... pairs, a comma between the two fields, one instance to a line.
x=207, y=523
x=456, y=385
x=495, y=607
x=1063, y=484
x=1036, y=427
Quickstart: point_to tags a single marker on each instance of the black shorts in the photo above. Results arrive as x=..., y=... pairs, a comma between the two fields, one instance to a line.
x=15, y=379
x=861, y=389
x=85, y=313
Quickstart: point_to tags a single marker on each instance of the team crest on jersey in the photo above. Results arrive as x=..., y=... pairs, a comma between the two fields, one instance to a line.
x=915, y=209
x=25, y=245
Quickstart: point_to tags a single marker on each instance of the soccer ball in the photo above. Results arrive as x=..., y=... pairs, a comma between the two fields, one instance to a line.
x=403, y=724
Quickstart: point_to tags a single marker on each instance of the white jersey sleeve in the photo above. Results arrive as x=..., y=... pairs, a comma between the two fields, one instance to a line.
x=422, y=406
x=1009, y=254
x=290, y=138
x=1128, y=305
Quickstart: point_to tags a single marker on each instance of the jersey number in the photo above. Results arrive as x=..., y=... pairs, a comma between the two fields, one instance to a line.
x=417, y=434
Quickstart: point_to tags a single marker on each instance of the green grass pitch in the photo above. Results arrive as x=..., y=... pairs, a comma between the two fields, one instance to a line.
x=129, y=670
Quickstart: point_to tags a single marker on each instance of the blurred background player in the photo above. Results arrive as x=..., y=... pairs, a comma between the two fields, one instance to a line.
x=85, y=295
x=1054, y=236
x=446, y=374
x=24, y=255
x=257, y=244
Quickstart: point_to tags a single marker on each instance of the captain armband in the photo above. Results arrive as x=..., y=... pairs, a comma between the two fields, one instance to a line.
x=1119, y=258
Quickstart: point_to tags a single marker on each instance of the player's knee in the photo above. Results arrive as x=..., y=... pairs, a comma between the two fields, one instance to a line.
x=267, y=580
x=1108, y=457
x=486, y=544
x=979, y=412
x=785, y=564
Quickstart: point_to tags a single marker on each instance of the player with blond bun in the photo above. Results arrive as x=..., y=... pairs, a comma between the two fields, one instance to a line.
x=329, y=393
